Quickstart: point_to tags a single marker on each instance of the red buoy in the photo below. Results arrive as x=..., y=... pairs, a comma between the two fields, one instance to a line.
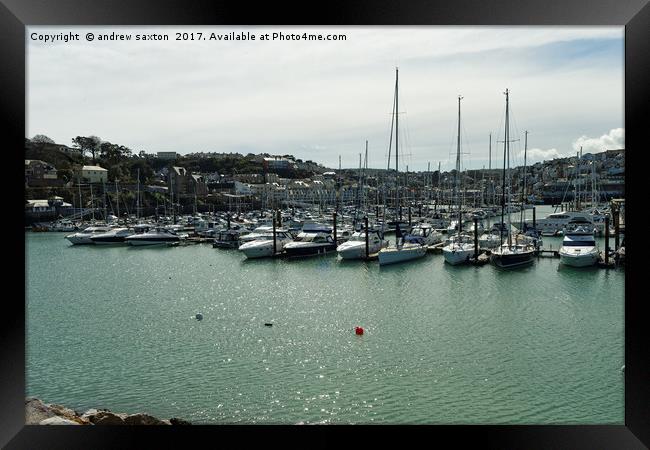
x=358, y=330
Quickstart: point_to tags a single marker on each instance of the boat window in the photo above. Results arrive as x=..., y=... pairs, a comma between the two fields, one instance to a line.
x=579, y=243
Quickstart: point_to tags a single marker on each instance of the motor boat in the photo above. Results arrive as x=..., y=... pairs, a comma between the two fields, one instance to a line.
x=423, y=234
x=263, y=245
x=355, y=247
x=579, y=248
x=257, y=233
x=403, y=251
x=83, y=237
x=113, y=236
x=227, y=238
x=308, y=244
x=459, y=249
x=159, y=235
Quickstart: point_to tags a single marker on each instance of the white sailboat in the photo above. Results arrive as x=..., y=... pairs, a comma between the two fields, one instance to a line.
x=460, y=248
x=401, y=251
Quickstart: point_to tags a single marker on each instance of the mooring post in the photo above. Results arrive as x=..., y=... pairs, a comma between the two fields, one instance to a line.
x=616, y=227
x=334, y=217
x=475, y=239
x=377, y=211
x=400, y=212
x=606, y=240
x=420, y=210
x=409, y=215
x=228, y=218
x=275, y=249
x=365, y=222
x=534, y=223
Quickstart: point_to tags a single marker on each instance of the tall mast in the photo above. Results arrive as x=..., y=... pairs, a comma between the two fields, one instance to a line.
x=137, y=210
x=457, y=185
x=117, y=201
x=508, y=172
x=397, y=136
x=503, y=186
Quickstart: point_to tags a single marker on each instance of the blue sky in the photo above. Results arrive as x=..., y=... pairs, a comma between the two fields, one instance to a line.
x=319, y=100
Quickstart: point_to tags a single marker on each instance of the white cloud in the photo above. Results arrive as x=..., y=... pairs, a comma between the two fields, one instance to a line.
x=613, y=140
x=537, y=154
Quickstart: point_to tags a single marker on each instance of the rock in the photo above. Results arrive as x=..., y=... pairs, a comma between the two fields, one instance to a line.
x=177, y=421
x=106, y=418
x=36, y=411
x=56, y=420
x=142, y=419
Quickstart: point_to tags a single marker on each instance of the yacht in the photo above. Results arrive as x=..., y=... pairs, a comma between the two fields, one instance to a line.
x=113, y=236
x=513, y=255
x=579, y=248
x=257, y=233
x=83, y=237
x=355, y=247
x=158, y=235
x=308, y=244
x=403, y=251
x=555, y=223
x=263, y=245
x=459, y=250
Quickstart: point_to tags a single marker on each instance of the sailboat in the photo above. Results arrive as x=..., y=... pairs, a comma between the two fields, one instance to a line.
x=401, y=251
x=509, y=254
x=460, y=247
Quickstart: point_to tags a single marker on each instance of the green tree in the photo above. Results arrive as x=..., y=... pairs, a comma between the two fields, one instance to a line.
x=42, y=138
x=88, y=144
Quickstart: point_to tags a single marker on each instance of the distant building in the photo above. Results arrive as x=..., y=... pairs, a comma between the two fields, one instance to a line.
x=183, y=182
x=167, y=155
x=94, y=174
x=39, y=173
x=277, y=165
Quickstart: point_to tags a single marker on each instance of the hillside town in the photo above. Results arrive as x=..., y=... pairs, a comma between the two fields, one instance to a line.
x=94, y=175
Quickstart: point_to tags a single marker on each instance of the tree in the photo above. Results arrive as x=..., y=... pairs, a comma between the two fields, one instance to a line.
x=41, y=138
x=90, y=144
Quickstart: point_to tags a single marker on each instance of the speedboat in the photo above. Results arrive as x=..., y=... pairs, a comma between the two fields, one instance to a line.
x=113, y=236
x=579, y=248
x=263, y=245
x=423, y=234
x=355, y=247
x=459, y=249
x=158, y=235
x=83, y=237
x=308, y=244
x=227, y=239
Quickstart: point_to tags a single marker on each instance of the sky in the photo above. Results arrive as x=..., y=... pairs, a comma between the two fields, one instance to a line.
x=319, y=100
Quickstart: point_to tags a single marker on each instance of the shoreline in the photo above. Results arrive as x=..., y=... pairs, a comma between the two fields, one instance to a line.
x=38, y=412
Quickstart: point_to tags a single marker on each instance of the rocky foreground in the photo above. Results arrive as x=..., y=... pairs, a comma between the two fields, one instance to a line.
x=39, y=413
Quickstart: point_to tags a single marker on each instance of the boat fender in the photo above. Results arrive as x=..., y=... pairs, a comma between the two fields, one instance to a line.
x=199, y=316
x=268, y=324
x=358, y=331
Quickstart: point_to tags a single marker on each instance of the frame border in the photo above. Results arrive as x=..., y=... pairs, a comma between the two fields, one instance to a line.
x=15, y=15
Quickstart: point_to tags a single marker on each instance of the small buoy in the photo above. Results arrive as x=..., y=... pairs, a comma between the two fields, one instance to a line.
x=199, y=316
x=358, y=331
x=268, y=324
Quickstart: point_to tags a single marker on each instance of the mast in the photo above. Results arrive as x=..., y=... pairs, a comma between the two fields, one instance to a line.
x=508, y=172
x=523, y=196
x=117, y=201
x=503, y=187
x=457, y=184
x=397, y=140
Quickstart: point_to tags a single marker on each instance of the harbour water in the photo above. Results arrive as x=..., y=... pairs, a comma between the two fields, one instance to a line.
x=115, y=327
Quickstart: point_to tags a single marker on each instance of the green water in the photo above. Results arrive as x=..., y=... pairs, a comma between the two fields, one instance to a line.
x=114, y=327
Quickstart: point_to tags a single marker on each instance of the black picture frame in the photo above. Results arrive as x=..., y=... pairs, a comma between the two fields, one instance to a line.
x=15, y=15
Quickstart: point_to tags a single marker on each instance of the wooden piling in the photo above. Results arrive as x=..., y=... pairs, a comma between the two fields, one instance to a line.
x=275, y=249
x=615, y=212
x=334, y=217
x=409, y=215
x=606, y=240
x=475, y=239
x=534, y=223
x=365, y=222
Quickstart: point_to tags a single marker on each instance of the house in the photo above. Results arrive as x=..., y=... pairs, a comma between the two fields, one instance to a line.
x=183, y=182
x=40, y=173
x=94, y=174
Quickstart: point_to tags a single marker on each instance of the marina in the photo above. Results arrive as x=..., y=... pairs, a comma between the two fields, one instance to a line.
x=442, y=343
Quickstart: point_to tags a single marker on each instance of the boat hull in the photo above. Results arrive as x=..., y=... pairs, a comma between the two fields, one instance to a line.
x=142, y=242
x=578, y=260
x=357, y=251
x=395, y=255
x=455, y=257
x=512, y=259
x=293, y=252
x=80, y=240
